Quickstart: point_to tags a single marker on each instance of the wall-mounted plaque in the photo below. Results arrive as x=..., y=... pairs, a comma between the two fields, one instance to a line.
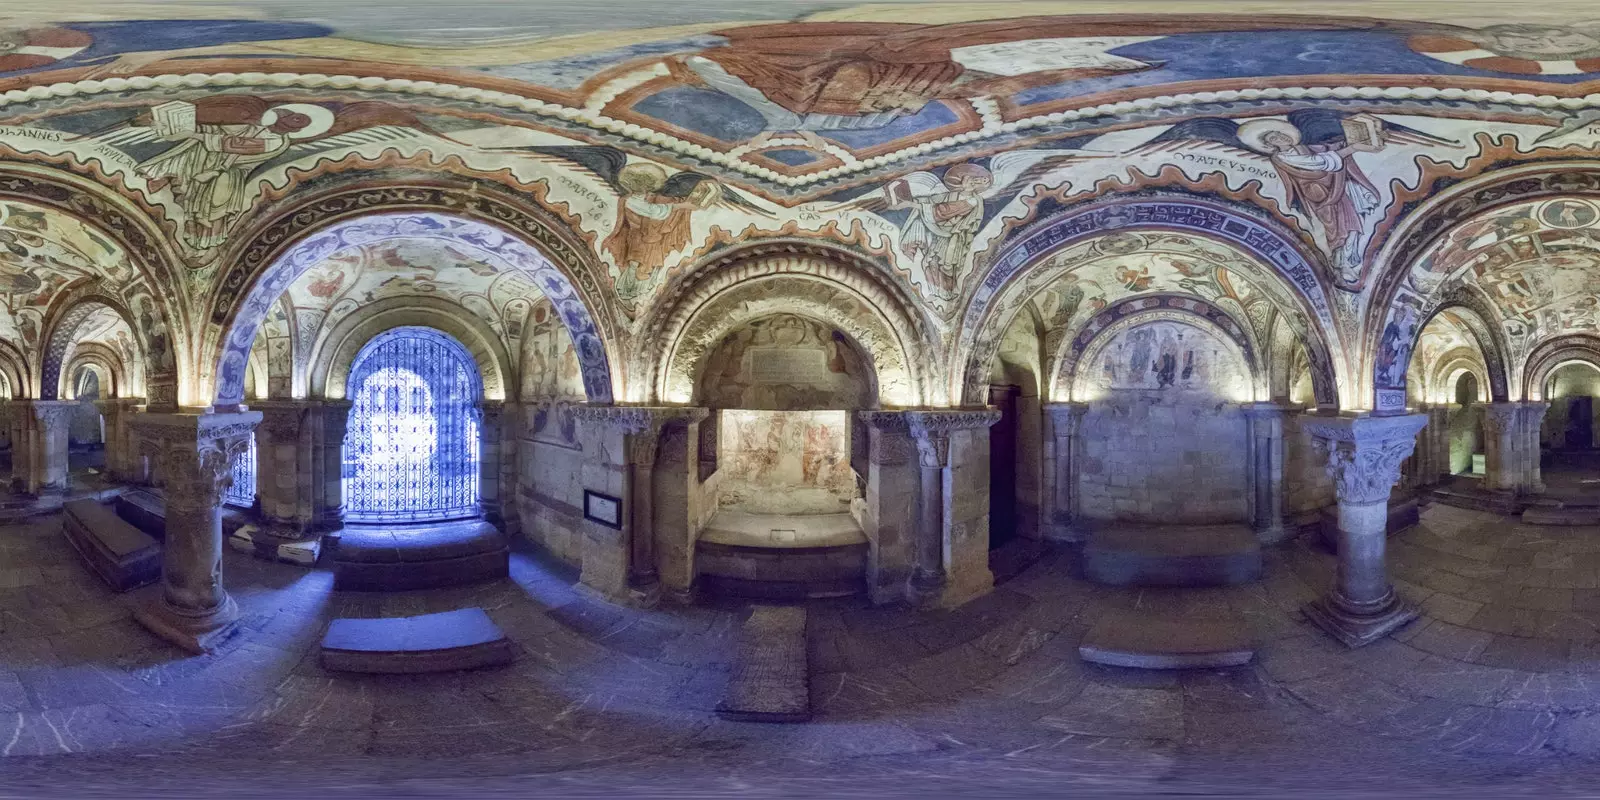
x=602, y=508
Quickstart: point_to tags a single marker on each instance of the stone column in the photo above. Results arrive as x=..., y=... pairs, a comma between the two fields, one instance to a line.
x=512, y=424
x=1364, y=456
x=952, y=537
x=1062, y=520
x=122, y=455
x=323, y=461
x=1511, y=433
x=1266, y=471
x=193, y=453
x=889, y=507
x=490, y=427
x=39, y=445
x=281, y=480
x=633, y=577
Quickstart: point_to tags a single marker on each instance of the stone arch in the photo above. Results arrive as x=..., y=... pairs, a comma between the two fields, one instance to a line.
x=61, y=341
x=1133, y=311
x=1398, y=305
x=1471, y=310
x=114, y=381
x=995, y=300
x=825, y=284
x=161, y=323
x=13, y=372
x=335, y=351
x=520, y=235
x=1441, y=383
x=1555, y=353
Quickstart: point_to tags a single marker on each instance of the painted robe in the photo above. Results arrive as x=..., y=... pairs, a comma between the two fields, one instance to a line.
x=210, y=172
x=1333, y=189
x=648, y=231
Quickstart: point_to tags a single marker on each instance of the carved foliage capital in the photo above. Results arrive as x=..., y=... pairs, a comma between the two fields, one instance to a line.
x=1066, y=417
x=1365, y=453
x=194, y=453
x=931, y=430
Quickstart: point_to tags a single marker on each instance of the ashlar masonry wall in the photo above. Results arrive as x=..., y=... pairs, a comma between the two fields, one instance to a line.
x=1150, y=456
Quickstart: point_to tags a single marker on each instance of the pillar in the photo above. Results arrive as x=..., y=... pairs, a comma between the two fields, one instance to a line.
x=39, y=445
x=327, y=421
x=1062, y=519
x=1266, y=471
x=193, y=453
x=1511, y=432
x=122, y=459
x=491, y=424
x=512, y=421
x=1364, y=456
x=621, y=565
x=282, y=480
x=889, y=508
x=951, y=542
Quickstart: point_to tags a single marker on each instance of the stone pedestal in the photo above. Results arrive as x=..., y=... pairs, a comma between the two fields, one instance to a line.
x=1061, y=520
x=39, y=431
x=193, y=453
x=1364, y=456
x=1266, y=471
x=622, y=566
x=952, y=535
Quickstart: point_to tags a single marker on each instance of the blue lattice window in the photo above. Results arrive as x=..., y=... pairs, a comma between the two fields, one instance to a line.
x=411, y=453
x=243, y=491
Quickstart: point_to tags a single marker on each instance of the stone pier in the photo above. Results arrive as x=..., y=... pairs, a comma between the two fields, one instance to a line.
x=193, y=454
x=1061, y=455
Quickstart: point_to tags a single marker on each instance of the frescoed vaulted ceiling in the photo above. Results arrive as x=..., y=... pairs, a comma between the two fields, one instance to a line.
x=44, y=253
x=924, y=137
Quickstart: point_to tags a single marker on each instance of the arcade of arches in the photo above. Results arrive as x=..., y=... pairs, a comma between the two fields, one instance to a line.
x=1030, y=356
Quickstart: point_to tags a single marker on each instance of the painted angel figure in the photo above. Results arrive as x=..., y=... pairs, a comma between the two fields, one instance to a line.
x=946, y=212
x=221, y=142
x=1313, y=153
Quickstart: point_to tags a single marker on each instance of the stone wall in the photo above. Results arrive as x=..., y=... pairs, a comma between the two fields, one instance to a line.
x=1567, y=383
x=559, y=460
x=1153, y=456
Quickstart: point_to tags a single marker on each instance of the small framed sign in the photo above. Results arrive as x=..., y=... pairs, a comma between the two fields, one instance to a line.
x=602, y=508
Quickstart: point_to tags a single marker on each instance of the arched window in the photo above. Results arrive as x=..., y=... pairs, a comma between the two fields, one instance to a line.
x=411, y=453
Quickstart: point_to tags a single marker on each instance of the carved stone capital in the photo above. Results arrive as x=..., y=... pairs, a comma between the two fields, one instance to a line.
x=48, y=414
x=1501, y=418
x=1067, y=417
x=282, y=420
x=931, y=430
x=1364, y=453
x=636, y=419
x=113, y=407
x=194, y=452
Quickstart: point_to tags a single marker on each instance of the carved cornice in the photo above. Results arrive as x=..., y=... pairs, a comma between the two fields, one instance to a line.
x=1364, y=453
x=49, y=414
x=637, y=419
x=931, y=430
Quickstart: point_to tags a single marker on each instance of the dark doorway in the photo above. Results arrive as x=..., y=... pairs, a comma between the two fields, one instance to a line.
x=1003, y=466
x=1580, y=423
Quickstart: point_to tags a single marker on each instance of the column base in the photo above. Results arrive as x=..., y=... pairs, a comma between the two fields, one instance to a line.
x=1356, y=630
x=1272, y=534
x=1067, y=531
x=271, y=545
x=197, y=633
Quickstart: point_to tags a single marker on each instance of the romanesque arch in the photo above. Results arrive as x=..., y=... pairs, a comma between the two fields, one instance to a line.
x=63, y=341
x=1134, y=311
x=1423, y=267
x=514, y=234
x=114, y=382
x=827, y=285
x=1555, y=353
x=1029, y=263
x=336, y=350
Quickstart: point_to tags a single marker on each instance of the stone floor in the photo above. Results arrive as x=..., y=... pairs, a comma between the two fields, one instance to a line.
x=1494, y=692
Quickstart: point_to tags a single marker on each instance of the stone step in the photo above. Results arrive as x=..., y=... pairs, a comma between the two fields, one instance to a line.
x=1144, y=640
x=770, y=680
x=373, y=559
x=781, y=557
x=1469, y=493
x=453, y=640
x=1561, y=515
x=1134, y=554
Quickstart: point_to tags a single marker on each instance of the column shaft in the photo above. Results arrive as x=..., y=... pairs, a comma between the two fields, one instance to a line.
x=1065, y=419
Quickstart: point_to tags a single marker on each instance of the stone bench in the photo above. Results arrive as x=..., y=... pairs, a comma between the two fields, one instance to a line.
x=452, y=640
x=1150, y=641
x=1135, y=554
x=419, y=557
x=122, y=555
x=145, y=511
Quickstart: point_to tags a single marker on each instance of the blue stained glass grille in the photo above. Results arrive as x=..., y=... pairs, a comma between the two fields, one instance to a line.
x=243, y=491
x=411, y=452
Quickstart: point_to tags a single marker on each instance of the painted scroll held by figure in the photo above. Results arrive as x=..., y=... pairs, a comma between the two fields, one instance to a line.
x=1313, y=154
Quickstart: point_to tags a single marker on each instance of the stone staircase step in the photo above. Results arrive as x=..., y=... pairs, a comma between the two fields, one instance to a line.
x=1145, y=640
x=1134, y=554
x=453, y=640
